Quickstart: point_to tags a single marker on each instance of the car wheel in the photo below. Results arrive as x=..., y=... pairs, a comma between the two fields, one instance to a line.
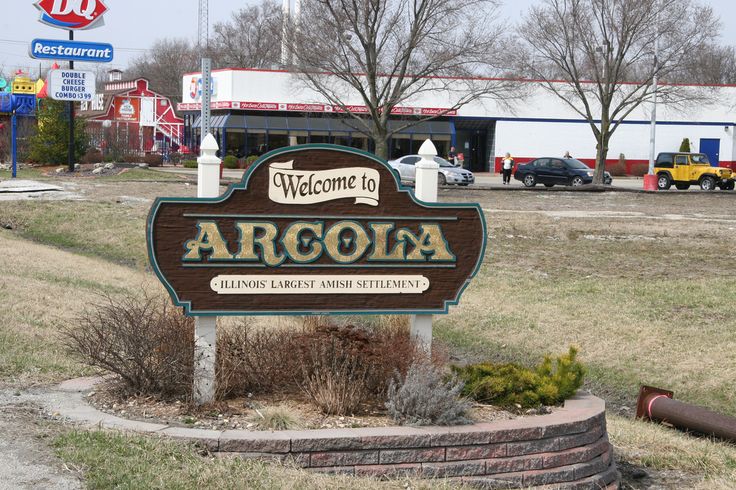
x=730, y=186
x=663, y=182
x=576, y=181
x=530, y=180
x=549, y=185
x=441, y=179
x=707, y=183
x=682, y=187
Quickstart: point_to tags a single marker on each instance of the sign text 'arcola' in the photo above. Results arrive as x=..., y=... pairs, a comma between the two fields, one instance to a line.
x=315, y=229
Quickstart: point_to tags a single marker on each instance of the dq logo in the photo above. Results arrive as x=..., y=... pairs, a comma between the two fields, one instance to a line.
x=71, y=14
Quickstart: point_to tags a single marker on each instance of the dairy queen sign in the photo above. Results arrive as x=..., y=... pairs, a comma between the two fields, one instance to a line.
x=72, y=14
x=315, y=229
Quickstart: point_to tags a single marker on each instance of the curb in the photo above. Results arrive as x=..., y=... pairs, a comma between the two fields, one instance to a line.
x=568, y=448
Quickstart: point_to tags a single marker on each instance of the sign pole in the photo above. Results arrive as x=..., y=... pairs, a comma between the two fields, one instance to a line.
x=204, y=124
x=70, y=155
x=425, y=190
x=205, y=327
x=14, y=144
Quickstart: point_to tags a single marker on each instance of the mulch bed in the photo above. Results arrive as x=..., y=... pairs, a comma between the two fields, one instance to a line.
x=246, y=413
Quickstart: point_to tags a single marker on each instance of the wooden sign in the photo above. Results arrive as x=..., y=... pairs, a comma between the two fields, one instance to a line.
x=315, y=229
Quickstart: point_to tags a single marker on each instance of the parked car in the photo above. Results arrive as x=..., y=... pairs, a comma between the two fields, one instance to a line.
x=556, y=171
x=448, y=173
x=686, y=169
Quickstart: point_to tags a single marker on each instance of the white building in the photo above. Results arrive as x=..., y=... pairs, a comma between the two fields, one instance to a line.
x=259, y=110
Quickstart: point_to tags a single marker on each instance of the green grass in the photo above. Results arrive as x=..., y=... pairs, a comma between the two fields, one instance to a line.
x=28, y=173
x=129, y=462
x=106, y=230
x=25, y=357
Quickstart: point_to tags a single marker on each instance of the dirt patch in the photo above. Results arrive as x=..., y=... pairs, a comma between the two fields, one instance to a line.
x=27, y=461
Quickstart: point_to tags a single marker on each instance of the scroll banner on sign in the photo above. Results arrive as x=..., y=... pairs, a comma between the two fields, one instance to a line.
x=289, y=186
x=322, y=284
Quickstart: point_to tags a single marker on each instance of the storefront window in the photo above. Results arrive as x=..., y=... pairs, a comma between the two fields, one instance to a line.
x=340, y=139
x=256, y=143
x=277, y=139
x=319, y=137
x=235, y=142
x=400, y=146
x=416, y=142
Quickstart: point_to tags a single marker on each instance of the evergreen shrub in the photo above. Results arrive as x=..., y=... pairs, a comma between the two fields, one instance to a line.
x=230, y=161
x=511, y=385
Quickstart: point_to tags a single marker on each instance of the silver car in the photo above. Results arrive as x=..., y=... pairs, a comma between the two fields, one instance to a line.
x=448, y=173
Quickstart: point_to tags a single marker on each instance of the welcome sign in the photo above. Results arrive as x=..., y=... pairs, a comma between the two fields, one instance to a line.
x=315, y=229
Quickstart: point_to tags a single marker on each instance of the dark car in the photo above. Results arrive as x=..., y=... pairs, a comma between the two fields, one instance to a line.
x=556, y=171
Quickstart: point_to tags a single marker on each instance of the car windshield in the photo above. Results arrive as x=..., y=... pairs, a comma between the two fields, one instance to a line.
x=442, y=162
x=576, y=164
x=700, y=159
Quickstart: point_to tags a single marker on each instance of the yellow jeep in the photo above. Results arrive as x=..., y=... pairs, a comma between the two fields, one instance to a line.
x=686, y=169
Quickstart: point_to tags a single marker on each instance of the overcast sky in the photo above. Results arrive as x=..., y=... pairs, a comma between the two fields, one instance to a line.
x=131, y=26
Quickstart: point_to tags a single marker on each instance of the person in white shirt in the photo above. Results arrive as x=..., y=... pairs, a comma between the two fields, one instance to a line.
x=508, y=165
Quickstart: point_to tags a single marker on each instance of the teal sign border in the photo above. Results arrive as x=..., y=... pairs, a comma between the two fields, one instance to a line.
x=243, y=184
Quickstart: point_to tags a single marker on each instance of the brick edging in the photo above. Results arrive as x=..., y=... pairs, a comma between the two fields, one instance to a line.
x=568, y=448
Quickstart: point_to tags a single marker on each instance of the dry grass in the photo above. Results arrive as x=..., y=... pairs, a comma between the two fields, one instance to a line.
x=42, y=288
x=119, y=461
x=707, y=464
x=613, y=287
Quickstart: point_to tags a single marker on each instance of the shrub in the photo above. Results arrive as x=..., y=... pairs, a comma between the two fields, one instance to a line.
x=142, y=338
x=175, y=157
x=275, y=418
x=639, y=169
x=230, y=161
x=262, y=360
x=50, y=144
x=685, y=145
x=511, y=385
x=617, y=169
x=131, y=158
x=93, y=155
x=153, y=160
x=189, y=163
x=424, y=398
x=334, y=379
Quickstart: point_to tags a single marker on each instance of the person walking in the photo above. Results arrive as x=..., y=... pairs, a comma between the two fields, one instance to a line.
x=452, y=156
x=567, y=155
x=507, y=166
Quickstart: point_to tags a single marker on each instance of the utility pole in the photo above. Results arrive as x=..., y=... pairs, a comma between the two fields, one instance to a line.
x=655, y=80
x=203, y=28
x=70, y=154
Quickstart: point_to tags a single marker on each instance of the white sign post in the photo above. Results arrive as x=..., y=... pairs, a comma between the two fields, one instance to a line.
x=425, y=190
x=72, y=85
x=205, y=327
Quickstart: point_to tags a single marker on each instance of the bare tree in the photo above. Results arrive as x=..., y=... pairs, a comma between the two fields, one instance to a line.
x=714, y=64
x=384, y=53
x=251, y=38
x=165, y=64
x=599, y=55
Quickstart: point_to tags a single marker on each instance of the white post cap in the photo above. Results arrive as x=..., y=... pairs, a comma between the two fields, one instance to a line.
x=427, y=151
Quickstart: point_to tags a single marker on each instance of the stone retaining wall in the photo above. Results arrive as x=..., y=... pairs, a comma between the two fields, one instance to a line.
x=566, y=449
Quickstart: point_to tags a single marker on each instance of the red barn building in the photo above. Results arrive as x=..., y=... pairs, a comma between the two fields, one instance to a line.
x=128, y=118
